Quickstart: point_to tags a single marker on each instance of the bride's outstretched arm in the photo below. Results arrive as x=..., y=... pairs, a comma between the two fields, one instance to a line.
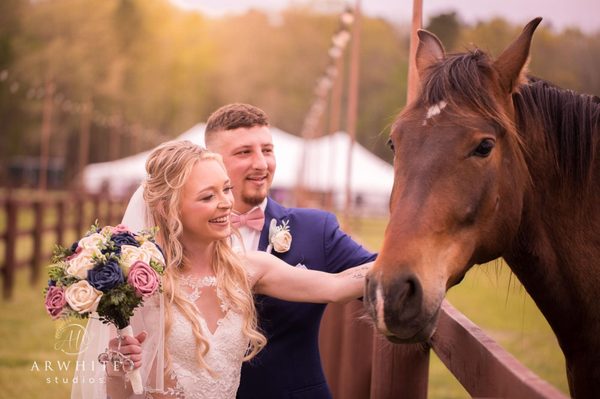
x=276, y=278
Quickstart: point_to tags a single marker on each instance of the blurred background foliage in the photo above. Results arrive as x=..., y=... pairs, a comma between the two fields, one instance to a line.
x=149, y=65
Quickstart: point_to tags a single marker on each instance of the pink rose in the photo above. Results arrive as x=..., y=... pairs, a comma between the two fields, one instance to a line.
x=74, y=255
x=143, y=278
x=55, y=301
x=120, y=228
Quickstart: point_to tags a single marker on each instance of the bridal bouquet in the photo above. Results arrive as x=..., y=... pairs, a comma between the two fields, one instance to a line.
x=109, y=271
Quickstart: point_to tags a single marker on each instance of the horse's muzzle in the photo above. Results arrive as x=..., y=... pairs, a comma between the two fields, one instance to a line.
x=397, y=307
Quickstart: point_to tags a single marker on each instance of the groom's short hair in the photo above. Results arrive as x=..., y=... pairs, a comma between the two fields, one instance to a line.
x=234, y=116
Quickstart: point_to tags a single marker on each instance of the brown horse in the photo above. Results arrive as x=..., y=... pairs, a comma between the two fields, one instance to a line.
x=489, y=163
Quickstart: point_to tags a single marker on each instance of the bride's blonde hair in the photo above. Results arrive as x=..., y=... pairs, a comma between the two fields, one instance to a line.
x=168, y=168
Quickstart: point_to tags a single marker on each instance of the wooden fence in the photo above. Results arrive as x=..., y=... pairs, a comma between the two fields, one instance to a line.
x=58, y=215
x=358, y=362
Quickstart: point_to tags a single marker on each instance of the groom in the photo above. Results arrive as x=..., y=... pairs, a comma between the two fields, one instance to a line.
x=289, y=366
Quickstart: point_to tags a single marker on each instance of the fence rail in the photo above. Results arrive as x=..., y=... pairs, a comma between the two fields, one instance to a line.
x=359, y=363
x=480, y=364
x=69, y=213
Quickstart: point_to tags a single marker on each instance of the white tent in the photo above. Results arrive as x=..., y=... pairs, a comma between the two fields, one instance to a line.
x=325, y=168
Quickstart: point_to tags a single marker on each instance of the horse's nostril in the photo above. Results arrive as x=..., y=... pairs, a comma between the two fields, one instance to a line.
x=411, y=286
x=404, y=299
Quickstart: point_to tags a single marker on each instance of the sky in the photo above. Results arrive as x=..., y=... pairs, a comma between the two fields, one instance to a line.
x=584, y=14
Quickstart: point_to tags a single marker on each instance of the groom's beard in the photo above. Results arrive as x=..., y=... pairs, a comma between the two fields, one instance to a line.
x=252, y=195
x=253, y=200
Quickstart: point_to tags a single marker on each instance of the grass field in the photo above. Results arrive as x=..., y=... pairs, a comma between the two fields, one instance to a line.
x=28, y=335
x=489, y=296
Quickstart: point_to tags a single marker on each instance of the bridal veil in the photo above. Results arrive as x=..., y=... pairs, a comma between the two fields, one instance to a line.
x=90, y=380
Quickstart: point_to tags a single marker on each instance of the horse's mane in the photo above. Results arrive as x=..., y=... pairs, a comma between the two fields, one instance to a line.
x=462, y=81
x=571, y=123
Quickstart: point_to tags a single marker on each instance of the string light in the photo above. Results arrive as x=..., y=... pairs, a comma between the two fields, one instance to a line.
x=335, y=52
x=347, y=16
x=37, y=92
x=324, y=84
x=341, y=39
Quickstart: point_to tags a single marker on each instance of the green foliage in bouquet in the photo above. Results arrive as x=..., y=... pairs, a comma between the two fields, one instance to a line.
x=117, y=307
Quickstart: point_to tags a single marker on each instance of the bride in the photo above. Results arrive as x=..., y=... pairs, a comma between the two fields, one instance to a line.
x=196, y=334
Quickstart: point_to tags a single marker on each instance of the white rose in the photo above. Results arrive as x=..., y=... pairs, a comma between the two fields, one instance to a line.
x=282, y=241
x=79, y=265
x=130, y=255
x=92, y=241
x=155, y=254
x=82, y=297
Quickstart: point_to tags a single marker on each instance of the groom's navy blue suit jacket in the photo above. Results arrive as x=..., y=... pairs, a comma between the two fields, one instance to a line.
x=290, y=365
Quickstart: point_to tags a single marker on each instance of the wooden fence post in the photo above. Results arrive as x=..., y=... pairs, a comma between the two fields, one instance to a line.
x=399, y=371
x=96, y=208
x=111, y=216
x=355, y=360
x=330, y=345
x=60, y=226
x=80, y=201
x=11, y=241
x=38, y=236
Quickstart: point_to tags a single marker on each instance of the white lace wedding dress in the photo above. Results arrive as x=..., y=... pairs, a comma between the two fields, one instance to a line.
x=187, y=380
x=227, y=348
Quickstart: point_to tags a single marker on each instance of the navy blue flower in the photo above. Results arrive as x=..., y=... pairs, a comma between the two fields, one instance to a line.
x=125, y=238
x=51, y=283
x=105, y=276
x=74, y=246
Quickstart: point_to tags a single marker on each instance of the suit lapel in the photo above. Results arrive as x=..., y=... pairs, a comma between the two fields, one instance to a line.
x=272, y=211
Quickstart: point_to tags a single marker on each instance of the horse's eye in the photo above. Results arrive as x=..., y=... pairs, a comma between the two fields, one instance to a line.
x=390, y=144
x=484, y=148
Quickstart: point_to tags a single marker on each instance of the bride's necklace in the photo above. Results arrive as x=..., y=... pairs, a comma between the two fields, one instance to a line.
x=196, y=284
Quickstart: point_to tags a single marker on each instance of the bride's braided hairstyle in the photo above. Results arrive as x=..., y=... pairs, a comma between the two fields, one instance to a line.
x=168, y=168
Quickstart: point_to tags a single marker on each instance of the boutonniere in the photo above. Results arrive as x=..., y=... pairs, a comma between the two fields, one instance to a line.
x=280, y=238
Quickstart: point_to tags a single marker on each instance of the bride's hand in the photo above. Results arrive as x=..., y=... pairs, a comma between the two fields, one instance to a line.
x=131, y=347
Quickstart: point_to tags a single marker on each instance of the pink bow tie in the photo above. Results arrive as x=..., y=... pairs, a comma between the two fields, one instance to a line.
x=255, y=219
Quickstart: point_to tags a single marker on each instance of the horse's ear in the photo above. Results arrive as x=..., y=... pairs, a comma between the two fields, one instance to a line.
x=511, y=63
x=429, y=51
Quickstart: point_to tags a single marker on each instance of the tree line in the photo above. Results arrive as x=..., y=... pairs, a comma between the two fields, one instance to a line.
x=150, y=67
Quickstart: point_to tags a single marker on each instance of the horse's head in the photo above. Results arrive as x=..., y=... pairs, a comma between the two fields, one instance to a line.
x=459, y=183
